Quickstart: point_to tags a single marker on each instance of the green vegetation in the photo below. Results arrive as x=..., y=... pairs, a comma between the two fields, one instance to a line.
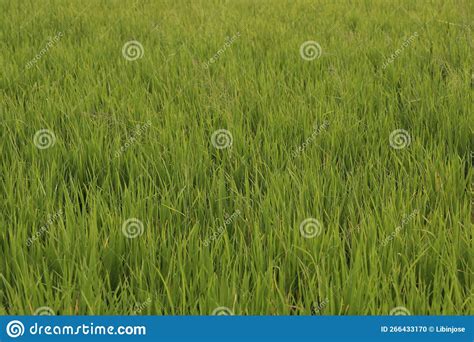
x=131, y=202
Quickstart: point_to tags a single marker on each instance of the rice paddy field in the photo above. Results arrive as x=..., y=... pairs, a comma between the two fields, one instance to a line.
x=241, y=157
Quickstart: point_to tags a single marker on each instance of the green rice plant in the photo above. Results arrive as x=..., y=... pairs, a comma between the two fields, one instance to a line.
x=241, y=157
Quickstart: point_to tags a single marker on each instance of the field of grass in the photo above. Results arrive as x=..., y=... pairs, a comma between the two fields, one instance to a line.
x=249, y=157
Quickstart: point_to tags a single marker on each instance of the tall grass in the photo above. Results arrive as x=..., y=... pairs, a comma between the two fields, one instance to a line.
x=395, y=225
